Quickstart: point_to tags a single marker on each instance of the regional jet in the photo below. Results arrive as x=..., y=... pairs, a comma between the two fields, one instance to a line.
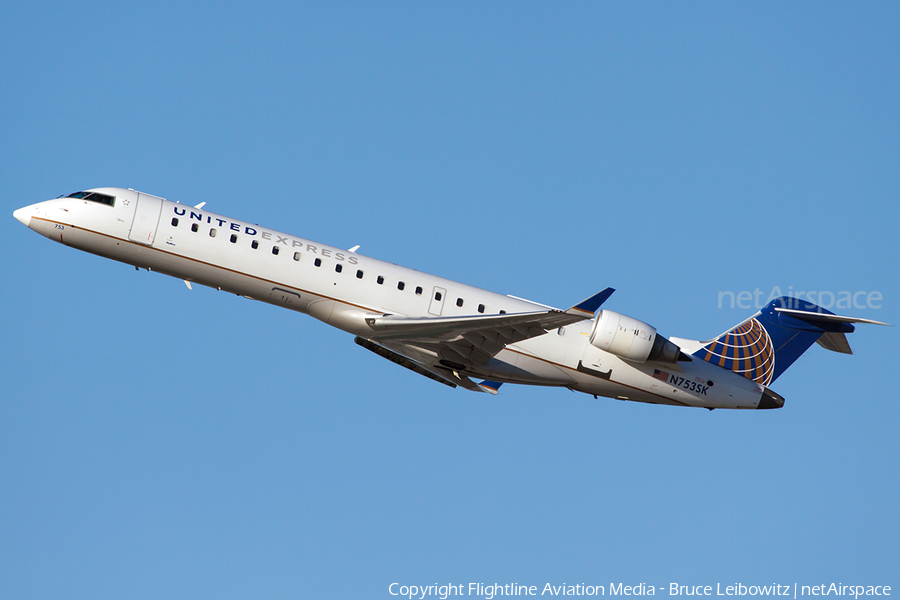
x=452, y=333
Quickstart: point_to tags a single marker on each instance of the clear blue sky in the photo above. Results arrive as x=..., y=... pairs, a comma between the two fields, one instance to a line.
x=162, y=443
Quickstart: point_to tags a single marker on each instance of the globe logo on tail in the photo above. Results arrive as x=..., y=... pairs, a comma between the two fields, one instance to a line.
x=747, y=350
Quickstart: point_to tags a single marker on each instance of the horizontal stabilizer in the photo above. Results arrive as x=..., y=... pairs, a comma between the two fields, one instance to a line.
x=805, y=315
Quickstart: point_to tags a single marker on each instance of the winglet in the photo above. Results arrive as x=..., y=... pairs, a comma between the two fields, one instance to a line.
x=491, y=387
x=587, y=308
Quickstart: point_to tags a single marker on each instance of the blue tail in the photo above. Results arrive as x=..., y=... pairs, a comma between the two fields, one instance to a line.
x=765, y=345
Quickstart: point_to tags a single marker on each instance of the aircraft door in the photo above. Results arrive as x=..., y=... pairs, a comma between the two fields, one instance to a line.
x=437, y=301
x=146, y=219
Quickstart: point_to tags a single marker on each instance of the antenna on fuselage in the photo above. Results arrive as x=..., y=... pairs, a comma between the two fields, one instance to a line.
x=354, y=248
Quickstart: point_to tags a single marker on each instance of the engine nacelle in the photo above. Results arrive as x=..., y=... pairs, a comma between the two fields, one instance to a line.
x=631, y=339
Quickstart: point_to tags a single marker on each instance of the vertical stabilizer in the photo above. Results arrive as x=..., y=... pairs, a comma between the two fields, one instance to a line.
x=765, y=345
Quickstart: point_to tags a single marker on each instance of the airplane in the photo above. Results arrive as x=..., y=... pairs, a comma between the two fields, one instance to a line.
x=449, y=332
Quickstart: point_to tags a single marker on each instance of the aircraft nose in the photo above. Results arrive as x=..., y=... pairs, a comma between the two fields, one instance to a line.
x=23, y=215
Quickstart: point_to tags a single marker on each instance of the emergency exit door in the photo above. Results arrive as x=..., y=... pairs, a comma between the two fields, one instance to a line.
x=437, y=301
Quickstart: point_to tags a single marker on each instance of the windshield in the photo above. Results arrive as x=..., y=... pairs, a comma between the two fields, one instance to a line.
x=94, y=197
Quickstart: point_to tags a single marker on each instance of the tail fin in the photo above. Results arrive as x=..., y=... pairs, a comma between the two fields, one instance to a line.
x=765, y=345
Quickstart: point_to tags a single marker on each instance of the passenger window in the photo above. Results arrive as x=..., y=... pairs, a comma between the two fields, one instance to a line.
x=459, y=301
x=254, y=244
x=400, y=285
x=481, y=308
x=418, y=290
x=195, y=228
x=437, y=296
x=212, y=233
x=275, y=250
x=318, y=262
x=359, y=274
x=174, y=221
x=234, y=238
x=380, y=280
x=297, y=256
x=338, y=267
x=502, y=312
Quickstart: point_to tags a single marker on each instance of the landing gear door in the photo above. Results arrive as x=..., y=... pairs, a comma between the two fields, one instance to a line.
x=146, y=219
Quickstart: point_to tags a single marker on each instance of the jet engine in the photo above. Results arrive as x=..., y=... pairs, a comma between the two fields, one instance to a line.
x=631, y=339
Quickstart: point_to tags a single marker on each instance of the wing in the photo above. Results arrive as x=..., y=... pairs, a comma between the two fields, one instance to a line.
x=462, y=342
x=448, y=377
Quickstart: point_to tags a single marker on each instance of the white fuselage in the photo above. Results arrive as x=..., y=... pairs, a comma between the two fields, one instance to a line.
x=341, y=288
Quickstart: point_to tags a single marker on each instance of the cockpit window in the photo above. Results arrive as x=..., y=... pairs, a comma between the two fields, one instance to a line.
x=94, y=197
